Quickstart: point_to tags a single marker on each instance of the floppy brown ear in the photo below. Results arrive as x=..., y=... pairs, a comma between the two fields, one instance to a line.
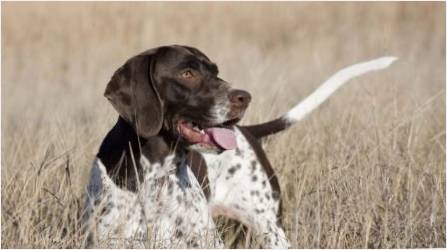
x=133, y=94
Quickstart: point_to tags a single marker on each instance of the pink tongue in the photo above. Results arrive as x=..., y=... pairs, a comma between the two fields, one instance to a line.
x=222, y=137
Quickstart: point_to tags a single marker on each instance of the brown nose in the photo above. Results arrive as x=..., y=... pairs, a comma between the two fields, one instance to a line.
x=239, y=98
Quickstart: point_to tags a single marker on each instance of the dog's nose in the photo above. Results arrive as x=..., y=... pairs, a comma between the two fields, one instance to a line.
x=239, y=98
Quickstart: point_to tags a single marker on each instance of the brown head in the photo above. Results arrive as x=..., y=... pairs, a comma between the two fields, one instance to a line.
x=176, y=89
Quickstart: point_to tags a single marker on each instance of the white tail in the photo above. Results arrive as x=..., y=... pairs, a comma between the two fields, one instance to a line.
x=332, y=84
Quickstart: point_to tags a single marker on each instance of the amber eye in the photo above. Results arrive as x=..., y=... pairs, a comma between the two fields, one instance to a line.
x=187, y=74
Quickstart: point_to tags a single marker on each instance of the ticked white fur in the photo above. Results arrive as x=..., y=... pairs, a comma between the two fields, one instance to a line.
x=168, y=210
x=240, y=189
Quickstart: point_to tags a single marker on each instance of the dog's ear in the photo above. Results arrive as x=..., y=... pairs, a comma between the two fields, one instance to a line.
x=133, y=94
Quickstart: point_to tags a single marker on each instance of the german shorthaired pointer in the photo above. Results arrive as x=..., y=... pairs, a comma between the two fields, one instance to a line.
x=175, y=158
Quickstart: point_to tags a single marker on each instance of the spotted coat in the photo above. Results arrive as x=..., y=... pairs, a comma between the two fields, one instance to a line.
x=240, y=189
x=169, y=210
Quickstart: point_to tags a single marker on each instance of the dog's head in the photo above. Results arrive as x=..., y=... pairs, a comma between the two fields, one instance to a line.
x=176, y=89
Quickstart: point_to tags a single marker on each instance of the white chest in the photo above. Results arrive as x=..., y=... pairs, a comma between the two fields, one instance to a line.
x=232, y=170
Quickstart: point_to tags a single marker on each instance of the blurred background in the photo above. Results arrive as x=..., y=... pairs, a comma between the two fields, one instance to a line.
x=367, y=169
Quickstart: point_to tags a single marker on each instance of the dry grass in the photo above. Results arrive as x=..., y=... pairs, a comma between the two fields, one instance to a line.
x=367, y=169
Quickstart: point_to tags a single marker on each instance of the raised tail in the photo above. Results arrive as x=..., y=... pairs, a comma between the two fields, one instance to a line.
x=318, y=96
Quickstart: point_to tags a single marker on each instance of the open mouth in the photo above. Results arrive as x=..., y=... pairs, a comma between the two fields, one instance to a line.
x=219, y=135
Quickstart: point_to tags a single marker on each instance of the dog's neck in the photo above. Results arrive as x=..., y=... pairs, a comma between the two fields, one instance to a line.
x=122, y=148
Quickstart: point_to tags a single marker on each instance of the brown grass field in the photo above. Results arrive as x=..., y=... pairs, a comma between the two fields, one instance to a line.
x=365, y=170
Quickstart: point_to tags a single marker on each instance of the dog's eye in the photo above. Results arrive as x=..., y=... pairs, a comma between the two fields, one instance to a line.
x=187, y=74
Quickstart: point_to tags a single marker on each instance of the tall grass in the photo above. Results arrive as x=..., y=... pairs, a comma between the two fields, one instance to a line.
x=367, y=169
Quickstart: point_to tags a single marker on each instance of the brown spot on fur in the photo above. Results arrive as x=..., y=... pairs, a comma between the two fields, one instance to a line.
x=262, y=158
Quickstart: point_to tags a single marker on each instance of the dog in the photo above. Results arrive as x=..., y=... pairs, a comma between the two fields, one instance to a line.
x=176, y=157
